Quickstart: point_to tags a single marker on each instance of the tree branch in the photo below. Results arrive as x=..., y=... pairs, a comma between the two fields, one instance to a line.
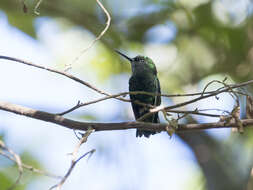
x=58, y=119
x=225, y=88
x=72, y=124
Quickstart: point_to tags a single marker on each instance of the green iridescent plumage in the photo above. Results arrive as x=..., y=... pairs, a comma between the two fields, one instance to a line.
x=144, y=78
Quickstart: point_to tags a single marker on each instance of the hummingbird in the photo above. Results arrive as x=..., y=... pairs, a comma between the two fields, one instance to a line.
x=144, y=78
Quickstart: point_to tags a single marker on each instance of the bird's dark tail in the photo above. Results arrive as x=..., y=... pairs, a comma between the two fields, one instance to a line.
x=139, y=133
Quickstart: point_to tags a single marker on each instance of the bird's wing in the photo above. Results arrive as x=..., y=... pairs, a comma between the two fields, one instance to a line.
x=157, y=100
x=136, y=107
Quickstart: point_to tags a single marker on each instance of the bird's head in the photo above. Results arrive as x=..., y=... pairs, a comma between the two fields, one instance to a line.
x=140, y=64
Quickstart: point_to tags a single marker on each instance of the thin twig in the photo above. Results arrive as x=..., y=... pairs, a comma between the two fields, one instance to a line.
x=208, y=84
x=82, y=140
x=194, y=112
x=75, y=159
x=60, y=73
x=20, y=169
x=59, y=185
x=36, y=7
x=99, y=36
x=31, y=168
x=215, y=93
x=15, y=158
x=17, y=161
x=79, y=104
x=215, y=109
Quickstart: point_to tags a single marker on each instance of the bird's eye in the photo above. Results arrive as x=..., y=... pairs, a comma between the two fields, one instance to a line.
x=139, y=59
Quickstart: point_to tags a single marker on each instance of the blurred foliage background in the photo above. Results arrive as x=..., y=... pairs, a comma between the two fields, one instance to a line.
x=191, y=42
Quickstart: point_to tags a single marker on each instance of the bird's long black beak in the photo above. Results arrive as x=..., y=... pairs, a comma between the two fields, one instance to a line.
x=128, y=58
